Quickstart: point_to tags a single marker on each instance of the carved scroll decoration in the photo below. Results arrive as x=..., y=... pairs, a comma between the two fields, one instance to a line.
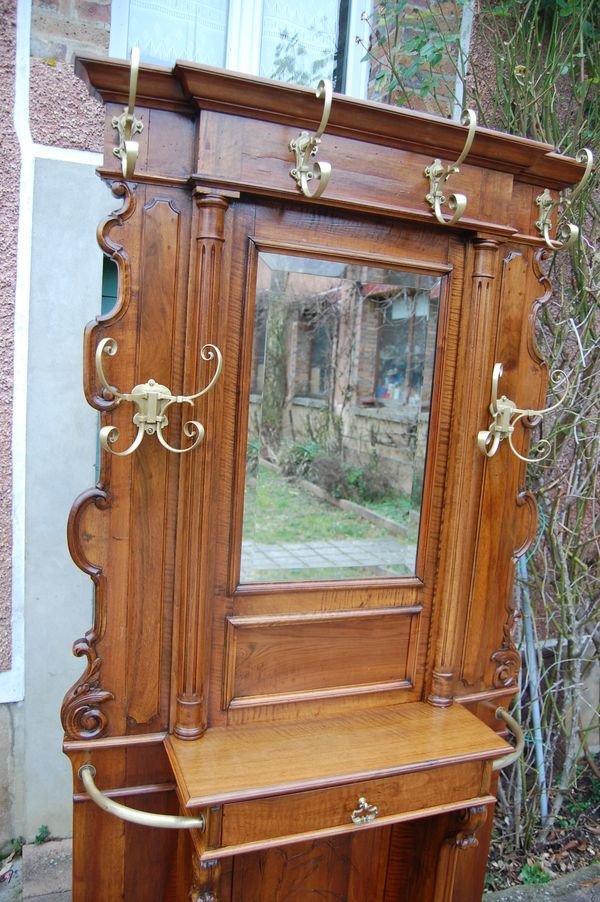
x=464, y=826
x=96, y=395
x=81, y=715
x=507, y=658
x=471, y=820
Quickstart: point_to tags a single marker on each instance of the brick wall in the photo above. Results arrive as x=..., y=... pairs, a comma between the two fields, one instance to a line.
x=62, y=113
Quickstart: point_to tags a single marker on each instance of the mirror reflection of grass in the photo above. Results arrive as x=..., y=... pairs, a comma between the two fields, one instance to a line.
x=279, y=510
x=332, y=573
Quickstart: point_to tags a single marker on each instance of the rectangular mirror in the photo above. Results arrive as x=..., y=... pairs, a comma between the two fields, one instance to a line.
x=341, y=381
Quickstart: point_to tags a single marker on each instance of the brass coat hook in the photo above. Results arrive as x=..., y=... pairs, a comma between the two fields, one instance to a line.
x=567, y=232
x=305, y=147
x=127, y=124
x=438, y=174
x=152, y=401
x=506, y=415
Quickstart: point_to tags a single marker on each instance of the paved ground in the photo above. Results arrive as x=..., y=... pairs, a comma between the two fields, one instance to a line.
x=44, y=874
x=386, y=556
x=581, y=886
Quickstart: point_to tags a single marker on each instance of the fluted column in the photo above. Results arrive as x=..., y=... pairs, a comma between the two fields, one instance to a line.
x=459, y=530
x=192, y=642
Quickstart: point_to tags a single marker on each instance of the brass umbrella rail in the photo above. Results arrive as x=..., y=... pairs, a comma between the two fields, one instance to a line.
x=515, y=728
x=87, y=772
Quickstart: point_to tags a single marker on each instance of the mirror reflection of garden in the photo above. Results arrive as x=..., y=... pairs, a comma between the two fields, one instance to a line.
x=294, y=530
x=341, y=379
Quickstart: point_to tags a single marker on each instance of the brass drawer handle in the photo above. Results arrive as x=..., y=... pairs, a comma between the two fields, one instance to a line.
x=365, y=813
x=146, y=818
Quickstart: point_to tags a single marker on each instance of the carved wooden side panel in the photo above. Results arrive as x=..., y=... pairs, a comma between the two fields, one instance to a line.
x=121, y=532
x=114, y=860
x=491, y=584
x=493, y=662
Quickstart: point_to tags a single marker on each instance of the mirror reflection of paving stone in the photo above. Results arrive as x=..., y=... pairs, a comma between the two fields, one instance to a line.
x=385, y=557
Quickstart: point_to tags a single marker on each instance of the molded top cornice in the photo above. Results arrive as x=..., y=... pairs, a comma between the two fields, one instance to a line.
x=188, y=87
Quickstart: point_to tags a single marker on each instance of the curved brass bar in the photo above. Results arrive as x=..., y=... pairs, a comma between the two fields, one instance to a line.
x=324, y=89
x=133, y=80
x=542, y=449
x=468, y=119
x=110, y=434
x=488, y=442
x=586, y=156
x=515, y=728
x=127, y=124
x=86, y=774
x=438, y=174
x=191, y=428
x=305, y=147
x=456, y=203
x=107, y=346
x=207, y=352
x=319, y=175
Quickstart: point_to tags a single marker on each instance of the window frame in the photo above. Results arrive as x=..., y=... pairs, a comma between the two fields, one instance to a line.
x=243, y=40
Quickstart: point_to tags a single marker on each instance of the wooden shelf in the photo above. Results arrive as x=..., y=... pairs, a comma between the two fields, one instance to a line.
x=236, y=763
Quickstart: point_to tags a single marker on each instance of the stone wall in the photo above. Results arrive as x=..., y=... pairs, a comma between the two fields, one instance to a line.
x=62, y=113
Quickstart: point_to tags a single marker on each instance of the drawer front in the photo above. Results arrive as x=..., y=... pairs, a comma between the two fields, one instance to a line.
x=302, y=813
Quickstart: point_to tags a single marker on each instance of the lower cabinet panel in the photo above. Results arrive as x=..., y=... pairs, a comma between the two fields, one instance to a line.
x=351, y=868
x=409, y=862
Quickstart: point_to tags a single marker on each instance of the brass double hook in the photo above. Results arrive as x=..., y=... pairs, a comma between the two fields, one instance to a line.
x=127, y=124
x=305, y=147
x=567, y=232
x=152, y=401
x=438, y=175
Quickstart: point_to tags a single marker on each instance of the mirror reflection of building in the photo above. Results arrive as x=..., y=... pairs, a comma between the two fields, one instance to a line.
x=341, y=370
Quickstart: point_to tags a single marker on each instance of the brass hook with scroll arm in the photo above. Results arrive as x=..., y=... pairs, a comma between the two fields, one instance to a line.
x=506, y=415
x=152, y=401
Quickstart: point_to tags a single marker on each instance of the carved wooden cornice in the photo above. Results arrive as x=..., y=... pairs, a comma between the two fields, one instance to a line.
x=188, y=87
